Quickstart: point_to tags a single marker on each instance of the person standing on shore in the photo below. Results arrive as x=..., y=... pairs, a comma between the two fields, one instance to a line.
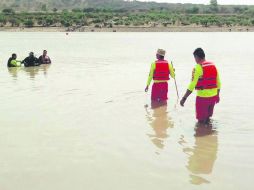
x=44, y=58
x=160, y=72
x=206, y=80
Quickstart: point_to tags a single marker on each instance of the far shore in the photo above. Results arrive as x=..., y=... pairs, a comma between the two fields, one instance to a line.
x=129, y=29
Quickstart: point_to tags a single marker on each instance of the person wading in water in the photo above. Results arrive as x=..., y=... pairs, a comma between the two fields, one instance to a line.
x=160, y=72
x=44, y=58
x=206, y=80
x=31, y=60
x=13, y=62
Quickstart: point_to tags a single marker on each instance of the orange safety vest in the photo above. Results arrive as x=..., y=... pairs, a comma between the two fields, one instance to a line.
x=209, y=78
x=161, y=70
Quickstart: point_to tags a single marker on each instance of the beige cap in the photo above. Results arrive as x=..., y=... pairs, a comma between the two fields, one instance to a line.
x=161, y=52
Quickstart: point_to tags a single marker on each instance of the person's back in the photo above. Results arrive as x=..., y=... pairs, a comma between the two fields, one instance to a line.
x=9, y=62
x=31, y=61
x=206, y=80
x=160, y=73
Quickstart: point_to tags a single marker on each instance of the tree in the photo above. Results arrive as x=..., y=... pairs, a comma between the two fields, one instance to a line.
x=14, y=22
x=66, y=22
x=2, y=19
x=65, y=11
x=214, y=6
x=252, y=22
x=193, y=10
x=204, y=22
x=76, y=10
x=49, y=21
x=44, y=7
x=238, y=9
x=29, y=23
x=8, y=11
x=88, y=10
x=250, y=12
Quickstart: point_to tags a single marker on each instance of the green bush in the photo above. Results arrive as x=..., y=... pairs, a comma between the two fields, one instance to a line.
x=193, y=10
x=49, y=21
x=29, y=23
x=3, y=19
x=8, y=11
x=252, y=22
x=14, y=22
x=76, y=10
x=104, y=17
x=66, y=23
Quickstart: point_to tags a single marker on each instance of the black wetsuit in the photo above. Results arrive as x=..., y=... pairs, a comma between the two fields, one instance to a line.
x=9, y=62
x=31, y=61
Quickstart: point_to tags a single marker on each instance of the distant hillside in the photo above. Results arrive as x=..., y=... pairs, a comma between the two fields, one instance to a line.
x=37, y=5
x=113, y=13
x=49, y=5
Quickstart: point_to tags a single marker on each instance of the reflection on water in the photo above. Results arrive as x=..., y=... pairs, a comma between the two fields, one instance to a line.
x=159, y=122
x=202, y=156
x=30, y=71
x=14, y=71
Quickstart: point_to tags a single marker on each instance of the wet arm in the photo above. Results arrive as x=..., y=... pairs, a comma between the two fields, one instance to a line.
x=197, y=72
x=24, y=61
x=21, y=62
x=150, y=77
x=172, y=70
x=218, y=83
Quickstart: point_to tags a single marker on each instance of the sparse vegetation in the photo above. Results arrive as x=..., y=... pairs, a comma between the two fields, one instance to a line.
x=120, y=13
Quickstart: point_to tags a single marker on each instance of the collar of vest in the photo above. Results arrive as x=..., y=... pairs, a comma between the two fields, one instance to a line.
x=206, y=63
x=161, y=61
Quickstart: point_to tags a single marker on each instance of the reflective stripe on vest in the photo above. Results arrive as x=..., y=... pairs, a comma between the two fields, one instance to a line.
x=209, y=78
x=161, y=71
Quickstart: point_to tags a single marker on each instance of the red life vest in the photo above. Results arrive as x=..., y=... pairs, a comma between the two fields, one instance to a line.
x=209, y=78
x=161, y=71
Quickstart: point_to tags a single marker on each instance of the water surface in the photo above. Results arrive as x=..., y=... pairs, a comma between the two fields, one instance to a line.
x=82, y=123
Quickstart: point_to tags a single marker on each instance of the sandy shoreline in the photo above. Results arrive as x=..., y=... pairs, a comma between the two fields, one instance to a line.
x=131, y=29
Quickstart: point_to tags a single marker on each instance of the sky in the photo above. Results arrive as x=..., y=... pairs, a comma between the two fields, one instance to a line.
x=235, y=2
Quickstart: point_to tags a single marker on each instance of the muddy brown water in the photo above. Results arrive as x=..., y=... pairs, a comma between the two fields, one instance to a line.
x=83, y=123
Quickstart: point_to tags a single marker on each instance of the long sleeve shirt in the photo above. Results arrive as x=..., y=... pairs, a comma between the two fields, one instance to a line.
x=152, y=69
x=196, y=74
